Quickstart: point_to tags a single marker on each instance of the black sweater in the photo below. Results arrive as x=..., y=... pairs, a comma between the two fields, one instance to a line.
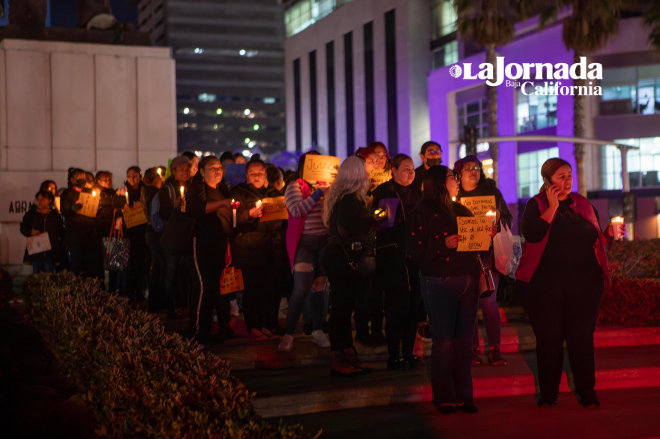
x=252, y=239
x=51, y=223
x=211, y=229
x=410, y=197
x=108, y=204
x=352, y=221
x=79, y=228
x=570, y=247
x=427, y=228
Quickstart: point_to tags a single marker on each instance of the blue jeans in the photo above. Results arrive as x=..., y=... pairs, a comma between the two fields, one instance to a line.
x=451, y=304
x=306, y=268
x=491, y=315
x=45, y=265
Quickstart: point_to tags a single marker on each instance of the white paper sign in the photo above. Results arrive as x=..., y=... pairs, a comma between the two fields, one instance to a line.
x=38, y=244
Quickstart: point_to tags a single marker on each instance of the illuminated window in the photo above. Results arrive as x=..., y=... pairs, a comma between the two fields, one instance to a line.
x=535, y=112
x=643, y=163
x=529, y=170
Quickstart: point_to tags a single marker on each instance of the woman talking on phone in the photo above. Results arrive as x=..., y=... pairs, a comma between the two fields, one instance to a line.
x=561, y=278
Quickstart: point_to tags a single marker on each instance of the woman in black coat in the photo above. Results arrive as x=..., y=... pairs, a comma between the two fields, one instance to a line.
x=210, y=205
x=395, y=273
x=136, y=275
x=44, y=219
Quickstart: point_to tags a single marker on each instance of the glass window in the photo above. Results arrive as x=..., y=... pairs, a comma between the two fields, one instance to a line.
x=535, y=112
x=631, y=90
x=445, y=55
x=643, y=164
x=443, y=18
x=529, y=170
x=305, y=13
x=473, y=113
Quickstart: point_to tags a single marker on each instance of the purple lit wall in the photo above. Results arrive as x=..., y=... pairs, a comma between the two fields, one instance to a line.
x=541, y=47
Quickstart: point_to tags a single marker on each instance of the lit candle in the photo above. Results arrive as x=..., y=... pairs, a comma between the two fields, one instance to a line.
x=126, y=193
x=159, y=172
x=181, y=191
x=453, y=198
x=233, y=203
x=617, y=227
x=258, y=204
x=493, y=215
x=93, y=193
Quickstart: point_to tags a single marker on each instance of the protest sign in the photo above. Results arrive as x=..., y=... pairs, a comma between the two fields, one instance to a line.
x=231, y=281
x=90, y=204
x=379, y=177
x=134, y=216
x=235, y=174
x=473, y=233
x=38, y=244
x=390, y=205
x=321, y=168
x=274, y=209
x=480, y=205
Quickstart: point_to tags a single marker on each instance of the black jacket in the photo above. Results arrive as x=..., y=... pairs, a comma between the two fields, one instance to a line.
x=109, y=203
x=211, y=229
x=352, y=221
x=79, y=228
x=252, y=239
x=426, y=231
x=410, y=197
x=166, y=202
x=51, y=223
x=278, y=227
x=419, y=176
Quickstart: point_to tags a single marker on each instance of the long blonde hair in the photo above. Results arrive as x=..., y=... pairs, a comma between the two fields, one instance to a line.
x=351, y=178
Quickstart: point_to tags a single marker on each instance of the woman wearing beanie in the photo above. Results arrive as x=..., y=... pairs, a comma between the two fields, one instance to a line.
x=561, y=277
x=449, y=283
x=473, y=183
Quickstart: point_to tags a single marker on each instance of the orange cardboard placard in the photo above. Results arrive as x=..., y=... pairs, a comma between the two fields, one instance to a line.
x=231, y=281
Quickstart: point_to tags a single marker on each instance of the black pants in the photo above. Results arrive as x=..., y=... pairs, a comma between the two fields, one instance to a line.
x=346, y=285
x=400, y=282
x=369, y=307
x=158, y=299
x=260, y=299
x=87, y=258
x=564, y=308
x=205, y=293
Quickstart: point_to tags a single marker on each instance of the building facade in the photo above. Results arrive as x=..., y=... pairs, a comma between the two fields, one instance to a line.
x=229, y=71
x=338, y=87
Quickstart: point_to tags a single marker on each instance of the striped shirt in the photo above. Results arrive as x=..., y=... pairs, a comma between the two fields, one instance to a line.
x=311, y=207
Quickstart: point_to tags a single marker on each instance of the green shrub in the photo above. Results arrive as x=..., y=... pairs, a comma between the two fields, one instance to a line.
x=140, y=381
x=631, y=302
x=639, y=258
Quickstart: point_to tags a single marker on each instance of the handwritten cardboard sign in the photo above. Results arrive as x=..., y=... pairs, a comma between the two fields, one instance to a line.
x=473, y=233
x=134, y=216
x=321, y=168
x=90, y=204
x=235, y=174
x=231, y=281
x=480, y=205
x=274, y=209
x=38, y=244
x=379, y=177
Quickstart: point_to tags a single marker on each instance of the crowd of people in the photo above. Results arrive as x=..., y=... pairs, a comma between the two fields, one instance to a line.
x=344, y=259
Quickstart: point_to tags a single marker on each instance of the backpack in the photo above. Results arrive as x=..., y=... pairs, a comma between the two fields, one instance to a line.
x=157, y=223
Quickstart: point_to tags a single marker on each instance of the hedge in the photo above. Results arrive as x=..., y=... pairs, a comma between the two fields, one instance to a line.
x=140, y=381
x=639, y=258
x=631, y=302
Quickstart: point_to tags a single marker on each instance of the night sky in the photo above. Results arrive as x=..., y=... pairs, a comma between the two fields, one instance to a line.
x=63, y=13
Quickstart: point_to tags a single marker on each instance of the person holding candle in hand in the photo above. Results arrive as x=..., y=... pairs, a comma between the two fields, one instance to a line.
x=252, y=253
x=170, y=199
x=561, y=278
x=211, y=207
x=449, y=282
x=473, y=183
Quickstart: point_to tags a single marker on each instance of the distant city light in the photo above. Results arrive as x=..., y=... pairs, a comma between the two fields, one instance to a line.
x=215, y=127
x=198, y=50
x=218, y=111
x=246, y=153
x=186, y=110
x=242, y=52
x=251, y=144
x=269, y=100
x=256, y=127
x=205, y=97
x=247, y=140
x=246, y=112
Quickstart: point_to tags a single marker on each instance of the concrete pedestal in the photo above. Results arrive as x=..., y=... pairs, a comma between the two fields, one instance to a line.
x=92, y=106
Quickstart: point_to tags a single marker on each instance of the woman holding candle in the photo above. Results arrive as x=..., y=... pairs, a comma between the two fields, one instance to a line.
x=211, y=208
x=252, y=252
x=473, y=183
x=157, y=270
x=395, y=272
x=170, y=199
x=449, y=282
x=561, y=278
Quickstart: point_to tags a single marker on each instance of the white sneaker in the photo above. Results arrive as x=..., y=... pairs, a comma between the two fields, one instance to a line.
x=235, y=312
x=286, y=344
x=320, y=339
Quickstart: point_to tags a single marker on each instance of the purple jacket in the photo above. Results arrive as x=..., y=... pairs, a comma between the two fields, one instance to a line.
x=533, y=251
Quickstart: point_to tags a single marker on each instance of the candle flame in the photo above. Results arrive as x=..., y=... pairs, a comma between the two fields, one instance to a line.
x=159, y=171
x=93, y=193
